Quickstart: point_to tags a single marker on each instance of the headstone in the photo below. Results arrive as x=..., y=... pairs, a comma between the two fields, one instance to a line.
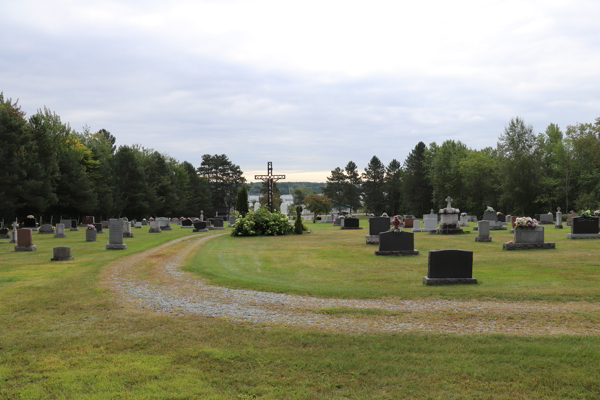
x=127, y=232
x=144, y=222
x=463, y=221
x=201, y=215
x=165, y=223
x=104, y=224
x=559, y=224
x=60, y=231
x=74, y=226
x=350, y=223
x=376, y=226
x=13, y=233
x=396, y=244
x=471, y=218
x=90, y=234
x=30, y=223
x=88, y=220
x=546, y=219
x=431, y=215
x=526, y=238
x=138, y=225
x=154, y=227
x=46, y=228
x=61, y=253
x=449, y=221
x=25, y=240
x=584, y=228
x=447, y=267
x=99, y=228
x=417, y=226
x=115, y=235
x=408, y=221
x=232, y=220
x=490, y=216
x=4, y=233
x=430, y=224
x=570, y=217
x=217, y=223
x=483, y=232
x=200, y=226
x=187, y=223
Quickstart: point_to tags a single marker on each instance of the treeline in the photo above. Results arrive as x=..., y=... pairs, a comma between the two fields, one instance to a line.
x=525, y=174
x=48, y=169
x=288, y=187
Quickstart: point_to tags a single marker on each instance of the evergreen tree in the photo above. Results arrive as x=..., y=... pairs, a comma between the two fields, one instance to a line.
x=199, y=198
x=374, y=187
x=353, y=187
x=224, y=177
x=335, y=187
x=417, y=188
x=446, y=179
x=241, y=204
x=131, y=189
x=393, y=187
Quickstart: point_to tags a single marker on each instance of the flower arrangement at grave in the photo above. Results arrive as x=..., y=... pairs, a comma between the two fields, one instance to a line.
x=463, y=214
x=499, y=213
x=91, y=227
x=491, y=209
x=585, y=214
x=262, y=223
x=383, y=215
x=523, y=222
x=597, y=213
x=396, y=223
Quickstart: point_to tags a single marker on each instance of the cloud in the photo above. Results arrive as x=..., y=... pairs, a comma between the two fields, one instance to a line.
x=309, y=86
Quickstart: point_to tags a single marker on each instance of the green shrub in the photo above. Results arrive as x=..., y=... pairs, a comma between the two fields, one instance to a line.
x=262, y=222
x=298, y=226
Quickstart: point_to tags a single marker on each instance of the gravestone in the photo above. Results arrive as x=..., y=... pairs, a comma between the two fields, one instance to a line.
x=61, y=253
x=584, y=228
x=232, y=220
x=60, y=231
x=546, y=219
x=463, y=221
x=165, y=224
x=74, y=226
x=25, y=240
x=138, y=225
x=4, y=233
x=417, y=226
x=396, y=244
x=559, y=224
x=350, y=223
x=115, y=235
x=88, y=220
x=13, y=233
x=46, y=228
x=216, y=223
x=144, y=222
x=66, y=223
x=127, y=231
x=570, y=217
x=30, y=223
x=154, y=227
x=449, y=222
x=104, y=224
x=431, y=215
x=376, y=226
x=187, y=223
x=490, y=216
x=408, y=221
x=527, y=238
x=90, y=234
x=483, y=233
x=201, y=215
x=208, y=224
x=338, y=221
x=99, y=227
x=329, y=219
x=430, y=225
x=200, y=226
x=471, y=218
x=447, y=267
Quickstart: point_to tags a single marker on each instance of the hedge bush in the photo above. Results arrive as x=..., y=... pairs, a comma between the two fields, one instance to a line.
x=262, y=222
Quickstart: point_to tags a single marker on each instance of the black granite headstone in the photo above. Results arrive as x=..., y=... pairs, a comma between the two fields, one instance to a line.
x=350, y=223
x=200, y=225
x=378, y=225
x=29, y=223
x=581, y=225
x=216, y=222
x=450, y=266
x=396, y=241
x=186, y=222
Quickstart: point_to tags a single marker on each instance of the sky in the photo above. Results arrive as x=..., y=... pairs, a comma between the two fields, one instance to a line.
x=308, y=85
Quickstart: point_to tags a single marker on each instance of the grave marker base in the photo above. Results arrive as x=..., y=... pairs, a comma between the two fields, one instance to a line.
x=212, y=228
x=200, y=230
x=116, y=247
x=74, y=229
x=529, y=246
x=60, y=236
x=483, y=239
x=154, y=230
x=559, y=227
x=583, y=236
x=166, y=228
x=44, y=232
x=448, y=281
x=127, y=234
x=191, y=226
x=350, y=227
x=372, y=239
x=397, y=253
x=25, y=248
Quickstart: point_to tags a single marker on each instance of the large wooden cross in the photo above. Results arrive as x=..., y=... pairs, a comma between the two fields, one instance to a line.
x=269, y=178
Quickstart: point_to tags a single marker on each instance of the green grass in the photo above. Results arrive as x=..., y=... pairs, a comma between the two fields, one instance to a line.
x=337, y=263
x=64, y=337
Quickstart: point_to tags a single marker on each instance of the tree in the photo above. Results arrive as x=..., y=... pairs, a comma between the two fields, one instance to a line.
x=352, y=189
x=335, y=187
x=241, y=204
x=276, y=197
x=393, y=187
x=417, y=188
x=199, y=198
x=224, y=177
x=477, y=170
x=298, y=226
x=445, y=175
x=318, y=204
x=374, y=186
x=131, y=189
x=101, y=174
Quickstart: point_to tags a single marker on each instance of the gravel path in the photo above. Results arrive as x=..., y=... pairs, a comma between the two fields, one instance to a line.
x=165, y=288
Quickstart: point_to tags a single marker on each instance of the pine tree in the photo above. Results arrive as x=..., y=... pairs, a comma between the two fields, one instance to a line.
x=374, y=187
x=417, y=188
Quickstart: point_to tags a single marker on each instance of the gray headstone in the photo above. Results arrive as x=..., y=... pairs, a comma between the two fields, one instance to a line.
x=529, y=235
x=430, y=224
x=490, y=216
x=115, y=235
x=61, y=253
x=60, y=231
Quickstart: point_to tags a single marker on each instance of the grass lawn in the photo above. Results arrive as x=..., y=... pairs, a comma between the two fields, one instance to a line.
x=62, y=336
x=337, y=263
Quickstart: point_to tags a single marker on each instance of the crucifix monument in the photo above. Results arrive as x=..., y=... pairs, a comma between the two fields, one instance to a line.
x=269, y=178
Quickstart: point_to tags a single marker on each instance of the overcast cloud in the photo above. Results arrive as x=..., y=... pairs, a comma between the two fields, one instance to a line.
x=308, y=85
